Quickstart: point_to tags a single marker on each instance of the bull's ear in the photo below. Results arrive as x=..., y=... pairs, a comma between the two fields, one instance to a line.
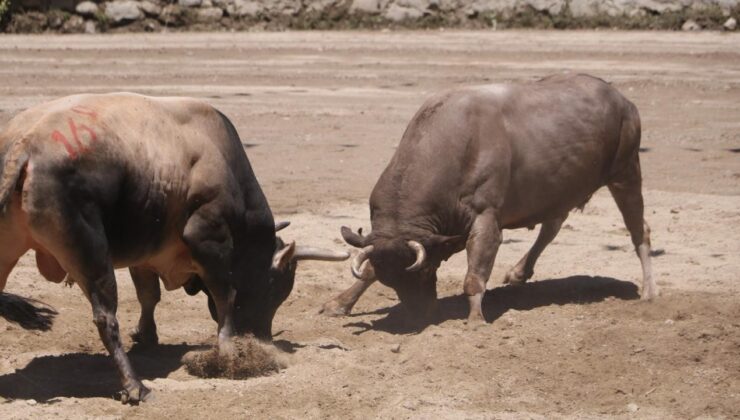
x=354, y=239
x=282, y=257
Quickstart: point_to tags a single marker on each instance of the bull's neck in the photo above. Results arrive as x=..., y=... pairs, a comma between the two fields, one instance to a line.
x=408, y=228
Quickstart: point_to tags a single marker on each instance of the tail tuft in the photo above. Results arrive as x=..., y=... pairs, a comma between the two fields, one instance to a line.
x=30, y=314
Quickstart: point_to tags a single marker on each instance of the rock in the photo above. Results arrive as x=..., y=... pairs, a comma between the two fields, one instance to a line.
x=74, y=25
x=283, y=7
x=209, y=14
x=632, y=407
x=150, y=8
x=730, y=24
x=397, y=13
x=365, y=6
x=56, y=19
x=87, y=9
x=123, y=11
x=318, y=6
x=552, y=7
x=91, y=27
x=222, y=3
x=241, y=8
x=189, y=3
x=206, y=3
x=588, y=8
x=690, y=25
x=151, y=25
x=172, y=15
x=31, y=402
x=396, y=348
x=478, y=7
x=28, y=23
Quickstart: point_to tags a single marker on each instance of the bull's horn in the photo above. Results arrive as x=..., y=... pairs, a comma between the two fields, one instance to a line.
x=310, y=253
x=360, y=258
x=421, y=255
x=281, y=225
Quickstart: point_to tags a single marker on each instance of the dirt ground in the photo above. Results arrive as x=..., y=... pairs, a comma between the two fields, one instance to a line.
x=320, y=115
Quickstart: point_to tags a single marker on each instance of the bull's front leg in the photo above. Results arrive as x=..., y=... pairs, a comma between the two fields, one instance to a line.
x=149, y=294
x=342, y=304
x=209, y=240
x=482, y=246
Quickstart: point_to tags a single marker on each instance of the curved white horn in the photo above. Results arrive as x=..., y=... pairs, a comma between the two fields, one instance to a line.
x=281, y=225
x=421, y=255
x=311, y=253
x=360, y=258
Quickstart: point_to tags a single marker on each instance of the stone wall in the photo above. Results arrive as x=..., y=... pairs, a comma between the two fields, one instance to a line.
x=72, y=16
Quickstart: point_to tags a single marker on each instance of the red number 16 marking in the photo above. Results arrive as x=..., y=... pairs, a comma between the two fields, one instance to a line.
x=78, y=148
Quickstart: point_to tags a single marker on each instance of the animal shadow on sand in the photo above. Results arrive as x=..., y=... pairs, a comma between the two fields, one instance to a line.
x=497, y=301
x=84, y=375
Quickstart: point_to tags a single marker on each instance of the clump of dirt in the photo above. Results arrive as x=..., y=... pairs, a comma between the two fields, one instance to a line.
x=249, y=359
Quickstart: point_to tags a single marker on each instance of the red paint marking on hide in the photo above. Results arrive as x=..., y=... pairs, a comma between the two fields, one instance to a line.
x=59, y=138
x=85, y=111
x=73, y=128
x=91, y=132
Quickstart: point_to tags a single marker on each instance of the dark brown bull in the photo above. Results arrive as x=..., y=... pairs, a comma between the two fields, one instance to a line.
x=161, y=185
x=478, y=160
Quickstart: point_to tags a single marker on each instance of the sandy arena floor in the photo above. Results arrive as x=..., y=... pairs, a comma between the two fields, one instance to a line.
x=320, y=114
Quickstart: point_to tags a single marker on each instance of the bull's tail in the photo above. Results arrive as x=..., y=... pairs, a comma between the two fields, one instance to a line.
x=30, y=314
x=13, y=167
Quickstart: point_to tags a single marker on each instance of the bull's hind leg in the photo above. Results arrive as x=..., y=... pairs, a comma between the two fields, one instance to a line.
x=482, y=246
x=12, y=245
x=628, y=195
x=149, y=293
x=524, y=269
x=5, y=268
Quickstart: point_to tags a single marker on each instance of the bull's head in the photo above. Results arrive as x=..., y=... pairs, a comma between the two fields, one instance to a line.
x=408, y=266
x=254, y=310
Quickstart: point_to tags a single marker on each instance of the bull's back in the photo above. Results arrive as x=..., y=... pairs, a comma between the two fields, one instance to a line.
x=533, y=150
x=564, y=134
x=131, y=157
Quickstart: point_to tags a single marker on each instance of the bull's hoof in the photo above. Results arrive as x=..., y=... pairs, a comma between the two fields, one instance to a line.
x=649, y=294
x=145, y=338
x=516, y=276
x=134, y=394
x=332, y=308
x=475, y=321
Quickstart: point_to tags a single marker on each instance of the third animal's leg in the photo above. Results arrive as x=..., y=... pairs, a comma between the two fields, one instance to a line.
x=482, y=246
x=628, y=196
x=524, y=269
x=343, y=303
x=149, y=293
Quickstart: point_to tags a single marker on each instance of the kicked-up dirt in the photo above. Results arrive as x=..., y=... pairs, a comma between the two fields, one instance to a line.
x=320, y=114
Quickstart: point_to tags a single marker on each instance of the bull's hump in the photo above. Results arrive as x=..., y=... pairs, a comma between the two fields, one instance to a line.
x=499, y=90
